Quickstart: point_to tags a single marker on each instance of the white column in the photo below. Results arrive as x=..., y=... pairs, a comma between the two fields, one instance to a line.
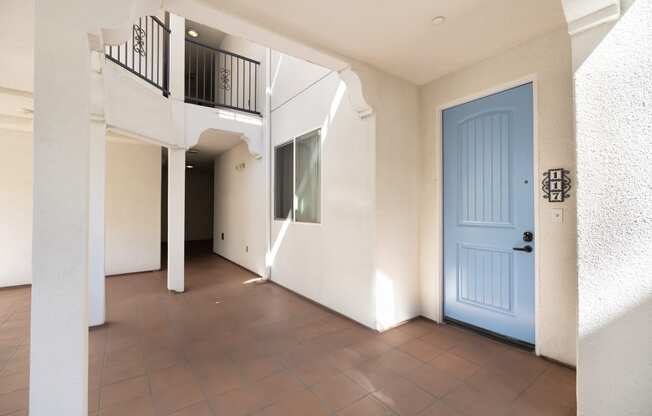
x=177, y=57
x=96, y=283
x=267, y=154
x=176, y=218
x=613, y=90
x=59, y=318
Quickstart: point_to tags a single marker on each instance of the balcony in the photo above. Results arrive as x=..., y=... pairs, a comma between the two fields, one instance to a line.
x=219, y=78
x=213, y=77
x=146, y=54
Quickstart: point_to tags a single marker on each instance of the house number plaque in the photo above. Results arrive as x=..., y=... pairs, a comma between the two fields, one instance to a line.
x=556, y=184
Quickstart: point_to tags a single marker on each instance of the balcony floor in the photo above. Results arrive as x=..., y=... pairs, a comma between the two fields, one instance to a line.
x=233, y=346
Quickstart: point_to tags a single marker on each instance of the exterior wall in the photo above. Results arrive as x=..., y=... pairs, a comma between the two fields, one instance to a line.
x=332, y=262
x=397, y=202
x=133, y=207
x=290, y=76
x=397, y=174
x=549, y=59
x=239, y=209
x=15, y=208
x=134, y=106
x=613, y=90
x=132, y=211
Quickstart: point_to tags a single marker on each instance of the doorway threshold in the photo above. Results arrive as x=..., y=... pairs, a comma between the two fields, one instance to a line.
x=490, y=334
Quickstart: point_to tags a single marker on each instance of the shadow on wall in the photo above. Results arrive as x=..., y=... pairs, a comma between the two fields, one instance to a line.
x=616, y=350
x=613, y=92
x=582, y=43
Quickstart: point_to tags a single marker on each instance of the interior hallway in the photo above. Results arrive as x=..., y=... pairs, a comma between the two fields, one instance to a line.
x=233, y=346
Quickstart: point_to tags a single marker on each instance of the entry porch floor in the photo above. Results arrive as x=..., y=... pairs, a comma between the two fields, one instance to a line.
x=234, y=346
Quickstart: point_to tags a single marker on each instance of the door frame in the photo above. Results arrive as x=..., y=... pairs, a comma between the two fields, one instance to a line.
x=439, y=146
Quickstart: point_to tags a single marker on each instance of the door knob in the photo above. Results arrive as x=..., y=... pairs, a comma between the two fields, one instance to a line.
x=527, y=249
x=528, y=236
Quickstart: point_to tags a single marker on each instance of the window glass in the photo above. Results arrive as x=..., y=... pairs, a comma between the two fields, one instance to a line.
x=283, y=180
x=308, y=178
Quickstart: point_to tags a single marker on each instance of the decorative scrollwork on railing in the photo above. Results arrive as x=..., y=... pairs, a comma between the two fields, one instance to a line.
x=224, y=79
x=140, y=40
x=219, y=78
x=146, y=53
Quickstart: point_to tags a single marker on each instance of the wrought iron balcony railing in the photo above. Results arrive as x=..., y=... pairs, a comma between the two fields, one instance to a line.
x=146, y=54
x=218, y=78
x=213, y=77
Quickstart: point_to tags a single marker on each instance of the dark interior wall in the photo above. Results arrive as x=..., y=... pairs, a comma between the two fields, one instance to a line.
x=199, y=204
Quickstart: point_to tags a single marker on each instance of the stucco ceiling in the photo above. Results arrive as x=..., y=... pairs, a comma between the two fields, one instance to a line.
x=398, y=36
x=207, y=35
x=212, y=143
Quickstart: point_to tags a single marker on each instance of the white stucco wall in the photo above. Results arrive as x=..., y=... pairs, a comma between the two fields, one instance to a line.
x=397, y=201
x=290, y=76
x=613, y=89
x=362, y=260
x=15, y=208
x=132, y=210
x=133, y=207
x=239, y=209
x=397, y=176
x=331, y=262
x=548, y=58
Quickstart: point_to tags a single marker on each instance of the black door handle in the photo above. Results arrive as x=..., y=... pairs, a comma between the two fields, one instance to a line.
x=527, y=249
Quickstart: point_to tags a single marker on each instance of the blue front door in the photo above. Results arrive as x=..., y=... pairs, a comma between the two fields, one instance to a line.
x=489, y=214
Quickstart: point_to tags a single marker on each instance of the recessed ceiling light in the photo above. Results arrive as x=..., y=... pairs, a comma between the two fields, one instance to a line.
x=192, y=33
x=437, y=20
x=190, y=166
x=193, y=151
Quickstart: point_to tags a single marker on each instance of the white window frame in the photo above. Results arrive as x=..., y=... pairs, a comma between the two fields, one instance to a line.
x=274, y=179
x=293, y=140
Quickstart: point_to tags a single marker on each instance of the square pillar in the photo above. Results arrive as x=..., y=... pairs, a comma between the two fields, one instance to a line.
x=59, y=318
x=177, y=26
x=96, y=243
x=176, y=218
x=613, y=91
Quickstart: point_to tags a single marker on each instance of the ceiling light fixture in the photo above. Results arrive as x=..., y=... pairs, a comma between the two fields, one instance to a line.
x=192, y=33
x=193, y=151
x=190, y=166
x=437, y=20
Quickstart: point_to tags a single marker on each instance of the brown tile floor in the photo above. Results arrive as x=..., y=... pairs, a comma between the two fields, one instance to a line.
x=227, y=347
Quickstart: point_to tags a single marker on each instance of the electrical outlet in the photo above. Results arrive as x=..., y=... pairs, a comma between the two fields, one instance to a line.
x=247, y=249
x=222, y=236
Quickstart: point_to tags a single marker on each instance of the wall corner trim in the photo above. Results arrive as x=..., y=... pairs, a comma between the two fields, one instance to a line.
x=582, y=15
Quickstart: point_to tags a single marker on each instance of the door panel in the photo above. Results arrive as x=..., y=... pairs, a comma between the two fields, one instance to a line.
x=488, y=205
